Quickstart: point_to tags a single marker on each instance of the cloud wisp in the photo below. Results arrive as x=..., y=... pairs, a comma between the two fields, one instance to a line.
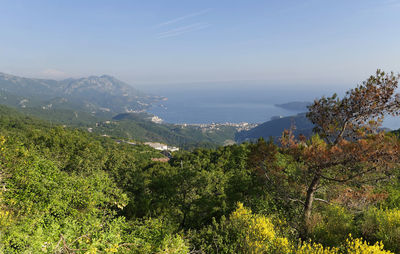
x=183, y=30
x=179, y=26
x=176, y=20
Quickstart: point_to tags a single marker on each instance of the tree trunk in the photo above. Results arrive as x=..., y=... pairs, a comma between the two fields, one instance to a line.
x=308, y=208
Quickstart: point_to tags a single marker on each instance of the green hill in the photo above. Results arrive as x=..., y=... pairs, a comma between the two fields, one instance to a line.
x=274, y=128
x=138, y=126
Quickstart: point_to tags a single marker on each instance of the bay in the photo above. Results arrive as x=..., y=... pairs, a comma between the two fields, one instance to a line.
x=240, y=103
x=194, y=106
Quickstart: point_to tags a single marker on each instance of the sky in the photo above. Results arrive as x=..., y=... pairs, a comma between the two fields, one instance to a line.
x=313, y=42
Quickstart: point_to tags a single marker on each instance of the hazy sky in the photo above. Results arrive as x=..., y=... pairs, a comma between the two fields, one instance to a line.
x=166, y=41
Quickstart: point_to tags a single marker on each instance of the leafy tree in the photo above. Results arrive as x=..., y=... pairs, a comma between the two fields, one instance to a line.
x=52, y=210
x=360, y=111
x=68, y=191
x=349, y=149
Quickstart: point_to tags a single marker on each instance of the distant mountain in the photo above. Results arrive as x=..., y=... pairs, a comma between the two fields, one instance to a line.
x=274, y=128
x=93, y=94
x=295, y=105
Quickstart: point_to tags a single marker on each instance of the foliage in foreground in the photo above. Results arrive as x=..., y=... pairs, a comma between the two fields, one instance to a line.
x=245, y=232
x=66, y=191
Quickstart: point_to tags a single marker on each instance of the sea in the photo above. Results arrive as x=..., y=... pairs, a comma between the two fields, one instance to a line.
x=235, y=104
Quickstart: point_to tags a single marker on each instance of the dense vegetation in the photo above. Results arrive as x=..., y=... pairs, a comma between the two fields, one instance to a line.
x=137, y=127
x=68, y=191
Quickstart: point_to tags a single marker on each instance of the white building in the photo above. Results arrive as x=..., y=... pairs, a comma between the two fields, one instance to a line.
x=162, y=147
x=173, y=148
x=156, y=119
x=157, y=146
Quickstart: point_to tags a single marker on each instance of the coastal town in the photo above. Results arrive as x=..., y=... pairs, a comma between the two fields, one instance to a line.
x=204, y=127
x=132, y=122
x=217, y=126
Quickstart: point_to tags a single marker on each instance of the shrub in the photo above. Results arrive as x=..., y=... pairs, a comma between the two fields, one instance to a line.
x=312, y=248
x=358, y=246
x=336, y=224
x=351, y=246
x=154, y=236
x=244, y=232
x=383, y=225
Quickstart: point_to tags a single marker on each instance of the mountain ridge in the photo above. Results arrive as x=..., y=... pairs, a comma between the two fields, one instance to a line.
x=91, y=94
x=274, y=128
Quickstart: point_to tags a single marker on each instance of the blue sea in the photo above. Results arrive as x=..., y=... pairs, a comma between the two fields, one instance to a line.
x=221, y=104
x=239, y=103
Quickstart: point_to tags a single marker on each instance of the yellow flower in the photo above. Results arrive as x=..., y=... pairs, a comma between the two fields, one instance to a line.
x=358, y=246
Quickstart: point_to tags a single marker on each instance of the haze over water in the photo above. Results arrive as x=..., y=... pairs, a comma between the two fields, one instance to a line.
x=220, y=104
x=239, y=103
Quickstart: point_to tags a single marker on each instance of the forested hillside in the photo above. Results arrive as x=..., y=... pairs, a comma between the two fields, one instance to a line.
x=137, y=126
x=274, y=128
x=90, y=102
x=68, y=191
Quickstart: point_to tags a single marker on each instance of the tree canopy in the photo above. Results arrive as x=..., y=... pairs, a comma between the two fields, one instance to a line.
x=63, y=190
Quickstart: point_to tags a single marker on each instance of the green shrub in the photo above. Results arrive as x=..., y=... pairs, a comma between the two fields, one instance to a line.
x=383, y=225
x=244, y=232
x=335, y=224
x=154, y=236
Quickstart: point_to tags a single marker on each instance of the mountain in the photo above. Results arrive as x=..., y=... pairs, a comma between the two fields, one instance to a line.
x=94, y=94
x=274, y=128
